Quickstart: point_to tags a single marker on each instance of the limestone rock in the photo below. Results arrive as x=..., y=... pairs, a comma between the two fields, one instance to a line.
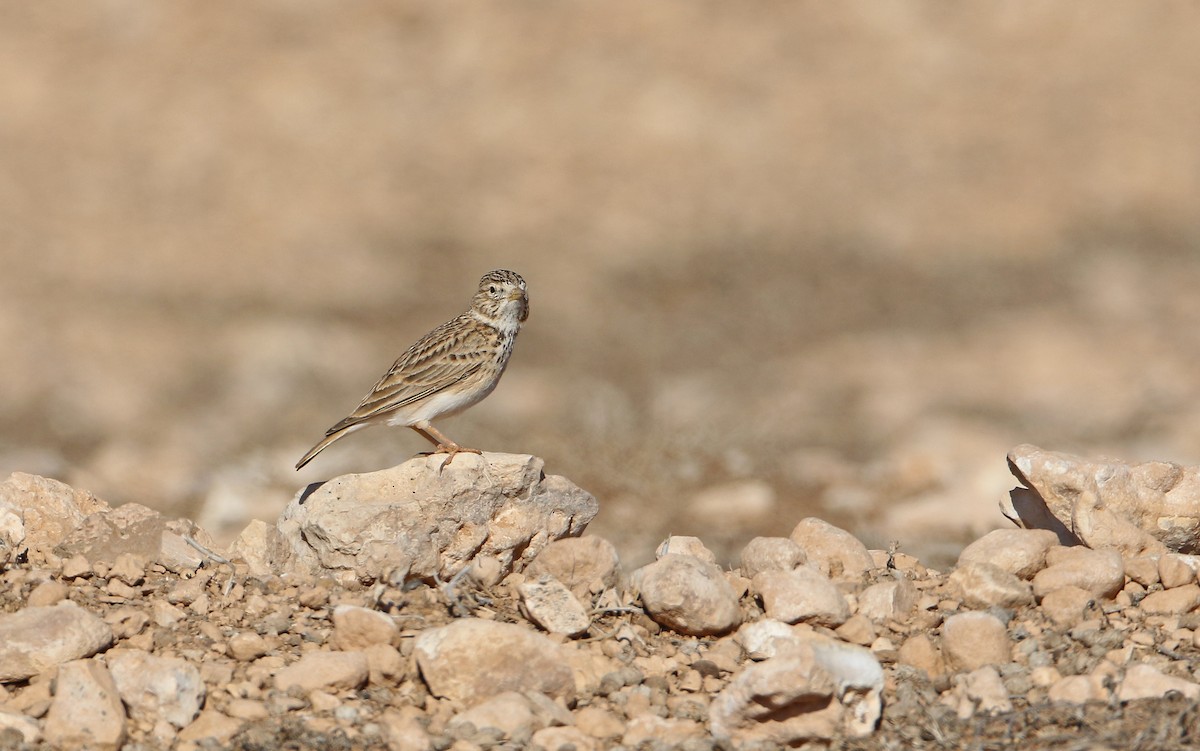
x=1145, y=682
x=771, y=554
x=1020, y=552
x=582, y=564
x=1100, y=572
x=358, y=628
x=35, y=639
x=802, y=594
x=1066, y=605
x=972, y=640
x=334, y=671
x=563, y=739
x=1136, y=509
x=1077, y=689
x=154, y=687
x=27, y=726
x=1176, y=570
x=688, y=595
x=86, y=711
x=211, y=724
x=887, y=600
x=428, y=520
x=819, y=691
x=473, y=659
x=12, y=533
x=920, y=652
x=509, y=712
x=980, y=691
x=833, y=551
x=685, y=545
x=49, y=510
x=982, y=586
x=549, y=604
x=1178, y=600
x=766, y=638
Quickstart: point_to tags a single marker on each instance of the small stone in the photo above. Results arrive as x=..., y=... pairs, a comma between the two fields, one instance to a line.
x=825, y=689
x=49, y=592
x=648, y=730
x=771, y=554
x=973, y=640
x=1077, y=689
x=325, y=670
x=165, y=614
x=579, y=563
x=75, y=567
x=683, y=545
x=211, y=724
x=86, y=710
x=858, y=629
x=126, y=622
x=766, y=638
x=983, y=586
x=1181, y=599
x=1020, y=552
x=832, y=551
x=386, y=664
x=688, y=595
x=920, y=652
x=599, y=723
x=1145, y=682
x=26, y=726
x=1176, y=570
x=358, y=628
x=980, y=691
x=247, y=646
x=888, y=600
x=549, y=604
x=404, y=732
x=1142, y=569
x=472, y=659
x=563, y=739
x=1100, y=572
x=1066, y=605
x=129, y=568
x=154, y=687
x=246, y=709
x=508, y=712
x=35, y=639
x=802, y=594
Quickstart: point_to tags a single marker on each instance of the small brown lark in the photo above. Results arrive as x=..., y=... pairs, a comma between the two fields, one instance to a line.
x=448, y=370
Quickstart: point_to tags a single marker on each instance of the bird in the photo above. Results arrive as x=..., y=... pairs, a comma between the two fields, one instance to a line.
x=446, y=371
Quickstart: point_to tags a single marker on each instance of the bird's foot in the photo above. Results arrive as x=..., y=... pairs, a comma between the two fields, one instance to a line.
x=452, y=450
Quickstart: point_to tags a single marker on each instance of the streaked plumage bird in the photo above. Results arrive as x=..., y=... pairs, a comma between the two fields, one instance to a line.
x=448, y=370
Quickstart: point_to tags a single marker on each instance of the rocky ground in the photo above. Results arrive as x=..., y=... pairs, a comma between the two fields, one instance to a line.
x=497, y=628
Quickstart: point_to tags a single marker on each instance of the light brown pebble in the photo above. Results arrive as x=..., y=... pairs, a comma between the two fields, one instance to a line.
x=47, y=593
x=920, y=652
x=129, y=568
x=86, y=710
x=972, y=640
x=211, y=724
x=1145, y=682
x=75, y=567
x=325, y=670
x=357, y=628
x=1020, y=552
x=386, y=664
x=688, y=595
x=247, y=646
x=770, y=554
x=1100, y=572
x=1077, y=689
x=802, y=594
x=1181, y=599
x=858, y=629
x=599, y=723
x=1065, y=606
x=1175, y=571
x=983, y=585
x=246, y=709
x=833, y=551
x=1142, y=569
x=563, y=739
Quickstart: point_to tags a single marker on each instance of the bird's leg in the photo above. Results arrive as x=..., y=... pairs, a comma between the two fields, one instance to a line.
x=444, y=444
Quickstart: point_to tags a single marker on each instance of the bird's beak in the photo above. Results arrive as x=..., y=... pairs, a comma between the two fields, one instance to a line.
x=516, y=294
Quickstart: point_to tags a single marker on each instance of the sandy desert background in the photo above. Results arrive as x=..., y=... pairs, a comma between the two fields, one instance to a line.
x=784, y=259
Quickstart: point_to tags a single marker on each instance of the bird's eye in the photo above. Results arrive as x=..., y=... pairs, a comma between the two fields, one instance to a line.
x=492, y=289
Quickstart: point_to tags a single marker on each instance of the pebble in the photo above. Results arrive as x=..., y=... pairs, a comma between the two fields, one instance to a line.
x=1180, y=599
x=47, y=593
x=688, y=595
x=973, y=640
x=983, y=586
x=582, y=564
x=1077, y=689
x=154, y=687
x=86, y=710
x=1145, y=682
x=509, y=712
x=1020, y=552
x=920, y=652
x=1176, y=570
x=1100, y=572
x=27, y=726
x=771, y=554
x=358, y=628
x=35, y=639
x=831, y=550
x=324, y=670
x=472, y=659
x=888, y=600
x=551, y=605
x=802, y=594
x=1066, y=606
x=684, y=545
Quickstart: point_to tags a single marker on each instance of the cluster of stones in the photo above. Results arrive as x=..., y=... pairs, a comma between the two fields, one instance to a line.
x=117, y=630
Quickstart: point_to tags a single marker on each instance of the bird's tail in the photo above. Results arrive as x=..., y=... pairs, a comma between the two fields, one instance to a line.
x=329, y=438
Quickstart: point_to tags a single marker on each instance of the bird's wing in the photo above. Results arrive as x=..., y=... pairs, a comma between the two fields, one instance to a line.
x=449, y=354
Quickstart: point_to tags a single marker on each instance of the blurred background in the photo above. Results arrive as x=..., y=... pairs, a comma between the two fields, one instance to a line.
x=784, y=259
